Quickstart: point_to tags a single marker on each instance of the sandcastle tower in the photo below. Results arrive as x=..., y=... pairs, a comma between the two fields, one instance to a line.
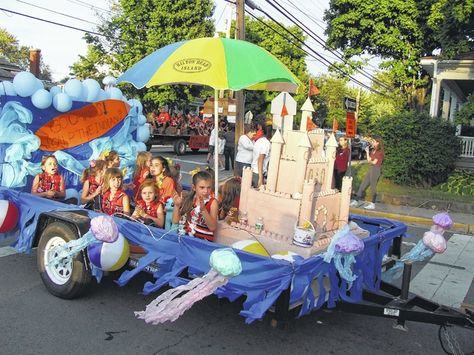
x=298, y=190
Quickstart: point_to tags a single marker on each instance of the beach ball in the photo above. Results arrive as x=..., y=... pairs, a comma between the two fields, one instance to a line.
x=25, y=83
x=42, y=99
x=109, y=256
x=9, y=216
x=74, y=89
x=62, y=102
x=288, y=256
x=251, y=246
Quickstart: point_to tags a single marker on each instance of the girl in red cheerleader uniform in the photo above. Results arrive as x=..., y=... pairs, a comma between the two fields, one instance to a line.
x=148, y=209
x=49, y=183
x=160, y=173
x=92, y=184
x=142, y=171
x=114, y=198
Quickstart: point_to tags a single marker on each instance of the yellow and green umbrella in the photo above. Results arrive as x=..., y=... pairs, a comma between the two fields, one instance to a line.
x=221, y=63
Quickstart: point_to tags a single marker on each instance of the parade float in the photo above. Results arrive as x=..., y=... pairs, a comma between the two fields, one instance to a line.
x=311, y=253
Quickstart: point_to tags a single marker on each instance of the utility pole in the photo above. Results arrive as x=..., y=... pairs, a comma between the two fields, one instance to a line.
x=239, y=95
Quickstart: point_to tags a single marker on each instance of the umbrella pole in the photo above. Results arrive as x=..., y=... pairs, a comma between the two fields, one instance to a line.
x=216, y=141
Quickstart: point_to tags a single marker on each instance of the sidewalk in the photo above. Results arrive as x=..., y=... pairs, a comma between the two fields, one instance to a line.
x=463, y=222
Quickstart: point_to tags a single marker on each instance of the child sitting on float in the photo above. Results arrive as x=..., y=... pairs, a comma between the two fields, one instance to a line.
x=148, y=209
x=49, y=183
x=112, y=159
x=92, y=179
x=114, y=198
x=160, y=173
x=229, y=197
x=142, y=171
x=199, y=209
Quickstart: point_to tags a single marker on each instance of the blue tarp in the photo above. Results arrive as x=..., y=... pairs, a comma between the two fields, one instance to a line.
x=312, y=281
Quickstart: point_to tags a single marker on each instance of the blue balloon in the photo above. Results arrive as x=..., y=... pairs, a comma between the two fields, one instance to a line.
x=42, y=99
x=102, y=95
x=39, y=85
x=8, y=88
x=115, y=93
x=62, y=102
x=109, y=80
x=55, y=90
x=141, y=120
x=73, y=193
x=136, y=103
x=143, y=133
x=91, y=89
x=25, y=83
x=74, y=89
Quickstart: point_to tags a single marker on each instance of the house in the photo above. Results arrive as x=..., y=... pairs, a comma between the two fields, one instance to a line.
x=7, y=69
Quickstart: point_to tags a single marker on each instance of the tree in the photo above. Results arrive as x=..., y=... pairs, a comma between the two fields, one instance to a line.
x=19, y=55
x=136, y=29
x=401, y=32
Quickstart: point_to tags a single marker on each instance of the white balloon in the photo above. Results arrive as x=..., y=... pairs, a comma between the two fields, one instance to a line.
x=25, y=84
x=92, y=89
x=9, y=88
x=74, y=89
x=115, y=93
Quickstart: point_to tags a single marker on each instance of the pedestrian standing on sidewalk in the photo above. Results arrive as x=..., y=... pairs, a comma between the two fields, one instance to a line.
x=212, y=142
x=245, y=149
x=342, y=158
x=229, y=149
x=375, y=160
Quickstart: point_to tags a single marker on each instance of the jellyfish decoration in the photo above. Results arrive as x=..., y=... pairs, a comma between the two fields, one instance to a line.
x=102, y=229
x=432, y=242
x=169, y=306
x=343, y=249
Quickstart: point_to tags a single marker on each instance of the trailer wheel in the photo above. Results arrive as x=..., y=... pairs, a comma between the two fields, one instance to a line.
x=180, y=147
x=67, y=279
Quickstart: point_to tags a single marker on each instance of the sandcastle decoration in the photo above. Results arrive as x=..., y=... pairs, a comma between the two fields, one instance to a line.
x=298, y=190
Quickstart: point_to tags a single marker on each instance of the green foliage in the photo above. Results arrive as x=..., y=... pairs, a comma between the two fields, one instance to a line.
x=461, y=182
x=329, y=105
x=138, y=28
x=419, y=150
x=466, y=113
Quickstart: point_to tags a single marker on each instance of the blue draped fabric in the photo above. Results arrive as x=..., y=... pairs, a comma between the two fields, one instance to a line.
x=312, y=282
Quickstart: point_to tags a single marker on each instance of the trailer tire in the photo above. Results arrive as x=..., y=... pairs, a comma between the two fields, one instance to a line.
x=180, y=147
x=66, y=280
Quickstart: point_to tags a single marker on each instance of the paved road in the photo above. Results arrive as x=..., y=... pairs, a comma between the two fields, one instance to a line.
x=34, y=322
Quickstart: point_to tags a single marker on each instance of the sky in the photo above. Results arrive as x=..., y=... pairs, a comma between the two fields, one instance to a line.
x=60, y=46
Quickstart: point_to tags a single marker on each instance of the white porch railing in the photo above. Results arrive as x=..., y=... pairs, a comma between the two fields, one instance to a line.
x=467, y=147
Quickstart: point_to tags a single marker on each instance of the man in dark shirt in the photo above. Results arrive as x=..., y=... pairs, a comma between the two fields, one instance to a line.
x=229, y=148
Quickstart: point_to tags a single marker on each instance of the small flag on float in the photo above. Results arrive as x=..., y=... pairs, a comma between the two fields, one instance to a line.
x=313, y=89
x=284, y=110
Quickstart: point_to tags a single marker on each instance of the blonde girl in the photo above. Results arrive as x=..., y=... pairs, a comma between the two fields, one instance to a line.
x=92, y=182
x=142, y=171
x=114, y=198
x=148, y=208
x=199, y=208
x=49, y=183
x=112, y=159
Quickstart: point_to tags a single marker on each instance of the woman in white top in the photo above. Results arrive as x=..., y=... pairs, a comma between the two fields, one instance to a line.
x=245, y=149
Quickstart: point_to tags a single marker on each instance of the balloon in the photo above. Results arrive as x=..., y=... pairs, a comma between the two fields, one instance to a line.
x=55, y=90
x=136, y=103
x=91, y=88
x=39, y=85
x=8, y=88
x=141, y=120
x=62, y=102
x=72, y=193
x=101, y=96
x=104, y=228
x=42, y=99
x=109, y=81
x=25, y=83
x=143, y=133
x=115, y=93
x=9, y=216
x=74, y=89
x=109, y=256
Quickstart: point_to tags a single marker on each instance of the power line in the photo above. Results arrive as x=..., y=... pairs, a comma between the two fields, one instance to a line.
x=56, y=12
x=88, y=5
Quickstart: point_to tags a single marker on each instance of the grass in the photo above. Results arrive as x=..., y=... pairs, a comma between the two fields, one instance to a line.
x=385, y=186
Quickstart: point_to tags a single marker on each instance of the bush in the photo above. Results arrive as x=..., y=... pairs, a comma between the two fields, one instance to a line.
x=461, y=182
x=419, y=150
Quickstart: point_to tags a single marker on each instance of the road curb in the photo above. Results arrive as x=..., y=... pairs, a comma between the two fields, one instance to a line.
x=457, y=227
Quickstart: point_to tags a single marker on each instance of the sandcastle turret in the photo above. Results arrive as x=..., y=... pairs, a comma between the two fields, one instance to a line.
x=346, y=190
x=306, y=114
x=274, y=163
x=302, y=157
x=331, y=146
x=307, y=202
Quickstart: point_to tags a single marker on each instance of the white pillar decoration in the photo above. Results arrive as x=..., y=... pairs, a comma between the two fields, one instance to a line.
x=274, y=163
x=331, y=146
x=435, y=90
x=307, y=113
